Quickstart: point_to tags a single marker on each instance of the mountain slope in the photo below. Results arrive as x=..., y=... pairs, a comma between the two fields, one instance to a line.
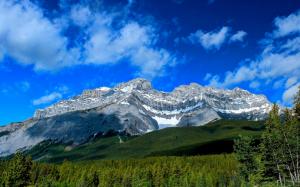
x=133, y=107
x=216, y=137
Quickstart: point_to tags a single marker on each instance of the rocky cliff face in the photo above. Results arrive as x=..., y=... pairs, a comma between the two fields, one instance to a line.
x=134, y=107
x=167, y=107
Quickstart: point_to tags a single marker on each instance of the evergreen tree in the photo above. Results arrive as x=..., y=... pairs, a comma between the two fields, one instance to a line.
x=271, y=146
x=18, y=172
x=246, y=150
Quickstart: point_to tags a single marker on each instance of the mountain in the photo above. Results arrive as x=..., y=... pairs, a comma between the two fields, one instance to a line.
x=133, y=107
x=214, y=138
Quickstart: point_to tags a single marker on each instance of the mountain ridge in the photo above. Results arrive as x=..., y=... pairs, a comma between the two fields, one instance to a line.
x=141, y=87
x=133, y=107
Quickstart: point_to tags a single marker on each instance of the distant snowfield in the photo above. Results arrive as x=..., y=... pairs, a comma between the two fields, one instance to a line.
x=166, y=122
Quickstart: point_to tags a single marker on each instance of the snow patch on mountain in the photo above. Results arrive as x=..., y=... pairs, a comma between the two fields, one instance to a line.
x=264, y=108
x=164, y=122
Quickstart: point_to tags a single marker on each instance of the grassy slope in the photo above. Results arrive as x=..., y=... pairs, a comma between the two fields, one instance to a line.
x=213, y=138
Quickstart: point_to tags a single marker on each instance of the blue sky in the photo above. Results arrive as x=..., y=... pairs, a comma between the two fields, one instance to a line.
x=50, y=50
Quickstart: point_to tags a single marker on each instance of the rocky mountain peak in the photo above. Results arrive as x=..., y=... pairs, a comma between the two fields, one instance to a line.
x=135, y=84
x=189, y=87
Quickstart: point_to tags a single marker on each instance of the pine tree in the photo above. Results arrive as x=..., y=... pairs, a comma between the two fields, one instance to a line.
x=18, y=172
x=247, y=154
x=271, y=146
x=280, y=147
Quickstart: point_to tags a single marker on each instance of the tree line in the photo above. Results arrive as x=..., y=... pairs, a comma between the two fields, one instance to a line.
x=197, y=171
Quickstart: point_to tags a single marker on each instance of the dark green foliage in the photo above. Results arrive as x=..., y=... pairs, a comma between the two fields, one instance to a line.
x=17, y=172
x=247, y=149
x=280, y=148
x=271, y=143
x=206, y=171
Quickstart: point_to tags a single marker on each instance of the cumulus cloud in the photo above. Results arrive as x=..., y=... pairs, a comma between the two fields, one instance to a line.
x=287, y=25
x=107, y=45
x=30, y=38
x=80, y=15
x=215, y=39
x=238, y=36
x=152, y=61
x=278, y=64
x=210, y=40
x=47, y=98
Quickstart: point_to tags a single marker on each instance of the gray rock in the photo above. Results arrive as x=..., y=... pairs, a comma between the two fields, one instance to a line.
x=199, y=117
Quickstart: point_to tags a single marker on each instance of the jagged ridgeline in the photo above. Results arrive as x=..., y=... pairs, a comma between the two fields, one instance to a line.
x=134, y=108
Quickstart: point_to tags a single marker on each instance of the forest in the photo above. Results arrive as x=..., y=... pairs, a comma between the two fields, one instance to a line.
x=213, y=170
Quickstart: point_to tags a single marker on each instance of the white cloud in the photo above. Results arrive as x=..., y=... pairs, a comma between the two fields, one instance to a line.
x=278, y=63
x=210, y=40
x=215, y=39
x=30, y=38
x=47, y=98
x=268, y=67
x=289, y=94
x=291, y=81
x=287, y=25
x=151, y=61
x=107, y=46
x=33, y=39
x=80, y=15
x=238, y=36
